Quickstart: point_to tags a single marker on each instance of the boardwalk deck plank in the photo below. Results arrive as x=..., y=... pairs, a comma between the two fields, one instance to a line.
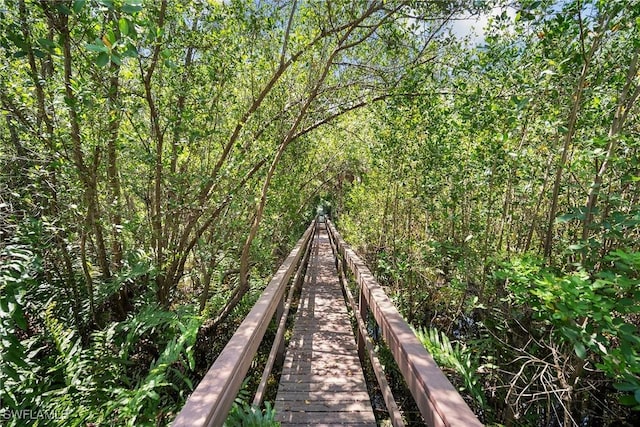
x=322, y=383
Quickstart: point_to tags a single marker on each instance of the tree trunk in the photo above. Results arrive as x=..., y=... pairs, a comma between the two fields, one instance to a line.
x=626, y=101
x=86, y=175
x=576, y=106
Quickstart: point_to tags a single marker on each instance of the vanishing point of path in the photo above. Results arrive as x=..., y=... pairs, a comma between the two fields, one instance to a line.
x=322, y=383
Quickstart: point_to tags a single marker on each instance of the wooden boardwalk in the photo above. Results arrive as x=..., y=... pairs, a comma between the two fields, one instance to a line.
x=322, y=383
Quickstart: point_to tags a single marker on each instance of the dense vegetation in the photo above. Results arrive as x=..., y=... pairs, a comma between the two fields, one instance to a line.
x=159, y=158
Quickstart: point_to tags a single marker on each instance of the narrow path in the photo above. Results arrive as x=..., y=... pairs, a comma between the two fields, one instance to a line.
x=322, y=383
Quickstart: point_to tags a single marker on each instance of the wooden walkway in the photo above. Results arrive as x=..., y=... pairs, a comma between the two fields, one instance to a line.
x=322, y=383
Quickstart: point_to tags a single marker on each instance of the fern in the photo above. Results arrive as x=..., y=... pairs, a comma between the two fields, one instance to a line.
x=140, y=405
x=17, y=267
x=244, y=415
x=453, y=357
x=250, y=416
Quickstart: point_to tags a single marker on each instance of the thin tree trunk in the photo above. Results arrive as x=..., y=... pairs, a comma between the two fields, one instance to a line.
x=86, y=175
x=534, y=215
x=626, y=101
x=112, y=167
x=576, y=104
x=157, y=136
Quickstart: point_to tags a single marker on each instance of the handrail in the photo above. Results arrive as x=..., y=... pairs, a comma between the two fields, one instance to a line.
x=276, y=355
x=212, y=399
x=439, y=402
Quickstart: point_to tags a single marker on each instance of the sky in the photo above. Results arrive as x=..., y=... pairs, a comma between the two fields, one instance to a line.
x=474, y=26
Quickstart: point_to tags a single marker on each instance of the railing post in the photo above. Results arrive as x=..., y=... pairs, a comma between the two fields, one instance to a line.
x=281, y=347
x=279, y=310
x=364, y=314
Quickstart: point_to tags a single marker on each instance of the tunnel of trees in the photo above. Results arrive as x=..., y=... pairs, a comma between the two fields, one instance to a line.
x=159, y=159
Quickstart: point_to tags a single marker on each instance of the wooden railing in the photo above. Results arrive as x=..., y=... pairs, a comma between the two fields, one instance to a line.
x=439, y=402
x=212, y=399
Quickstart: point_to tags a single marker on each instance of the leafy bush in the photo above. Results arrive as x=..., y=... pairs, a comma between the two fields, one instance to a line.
x=61, y=379
x=18, y=266
x=140, y=404
x=243, y=415
x=596, y=314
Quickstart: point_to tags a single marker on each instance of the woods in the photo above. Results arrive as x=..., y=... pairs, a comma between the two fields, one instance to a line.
x=158, y=160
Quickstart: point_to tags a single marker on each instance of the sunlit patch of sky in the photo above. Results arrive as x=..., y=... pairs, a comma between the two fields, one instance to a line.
x=473, y=27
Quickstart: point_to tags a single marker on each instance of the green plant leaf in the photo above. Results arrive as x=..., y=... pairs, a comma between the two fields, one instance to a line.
x=97, y=47
x=580, y=350
x=123, y=25
x=78, y=5
x=132, y=6
x=102, y=59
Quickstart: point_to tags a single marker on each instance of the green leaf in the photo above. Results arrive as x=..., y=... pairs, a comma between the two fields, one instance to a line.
x=18, y=316
x=15, y=355
x=106, y=3
x=102, y=59
x=8, y=370
x=97, y=47
x=132, y=6
x=580, y=350
x=626, y=387
x=111, y=37
x=626, y=302
x=130, y=52
x=78, y=5
x=628, y=400
x=123, y=25
x=46, y=43
x=565, y=218
x=63, y=9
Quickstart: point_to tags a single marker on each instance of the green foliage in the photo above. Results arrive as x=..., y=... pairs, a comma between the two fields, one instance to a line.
x=139, y=406
x=593, y=313
x=244, y=415
x=107, y=379
x=18, y=267
x=457, y=357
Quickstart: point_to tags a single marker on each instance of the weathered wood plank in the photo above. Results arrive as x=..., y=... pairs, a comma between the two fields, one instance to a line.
x=312, y=418
x=322, y=396
x=322, y=381
x=326, y=387
x=327, y=406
